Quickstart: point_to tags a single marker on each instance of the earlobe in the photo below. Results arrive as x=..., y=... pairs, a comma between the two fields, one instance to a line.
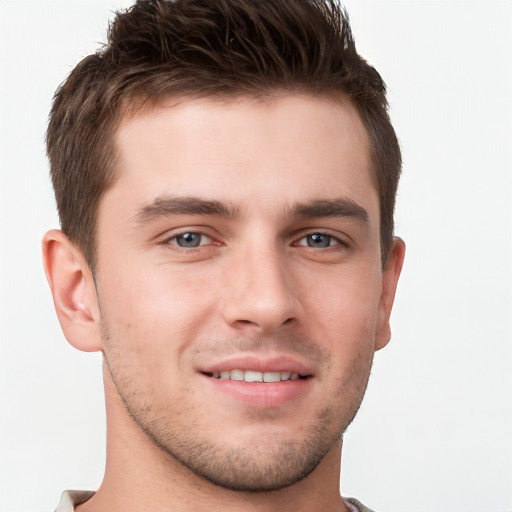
x=73, y=290
x=390, y=277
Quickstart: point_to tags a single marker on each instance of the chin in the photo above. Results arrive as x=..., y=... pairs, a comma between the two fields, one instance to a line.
x=258, y=463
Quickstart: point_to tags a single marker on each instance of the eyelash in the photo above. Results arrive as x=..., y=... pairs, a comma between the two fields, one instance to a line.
x=337, y=241
x=168, y=241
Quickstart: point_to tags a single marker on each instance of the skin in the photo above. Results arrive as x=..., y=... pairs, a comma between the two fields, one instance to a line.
x=270, y=281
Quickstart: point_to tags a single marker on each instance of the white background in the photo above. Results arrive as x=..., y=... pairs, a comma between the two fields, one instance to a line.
x=435, y=430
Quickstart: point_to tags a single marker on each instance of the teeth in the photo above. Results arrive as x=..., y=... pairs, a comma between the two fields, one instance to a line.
x=254, y=376
x=251, y=376
x=237, y=375
x=271, y=376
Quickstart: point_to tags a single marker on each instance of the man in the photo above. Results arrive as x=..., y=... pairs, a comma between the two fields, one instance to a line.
x=225, y=174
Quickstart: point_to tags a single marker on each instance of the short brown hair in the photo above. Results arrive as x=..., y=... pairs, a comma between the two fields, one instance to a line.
x=199, y=48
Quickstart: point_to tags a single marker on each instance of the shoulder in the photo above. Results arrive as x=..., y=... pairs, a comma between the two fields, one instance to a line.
x=356, y=506
x=70, y=499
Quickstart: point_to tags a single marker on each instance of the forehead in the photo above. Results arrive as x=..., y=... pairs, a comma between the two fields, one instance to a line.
x=286, y=148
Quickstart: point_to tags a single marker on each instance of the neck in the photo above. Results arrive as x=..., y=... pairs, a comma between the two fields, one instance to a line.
x=142, y=476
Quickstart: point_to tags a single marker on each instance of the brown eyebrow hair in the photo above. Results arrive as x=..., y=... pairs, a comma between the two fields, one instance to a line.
x=341, y=207
x=187, y=205
x=174, y=205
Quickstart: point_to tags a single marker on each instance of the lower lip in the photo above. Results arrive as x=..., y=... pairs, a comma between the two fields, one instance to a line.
x=263, y=395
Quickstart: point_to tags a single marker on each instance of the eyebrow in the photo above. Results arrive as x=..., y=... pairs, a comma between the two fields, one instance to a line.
x=173, y=205
x=187, y=205
x=341, y=207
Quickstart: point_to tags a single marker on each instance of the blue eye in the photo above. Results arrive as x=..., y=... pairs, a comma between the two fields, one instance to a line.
x=319, y=241
x=189, y=240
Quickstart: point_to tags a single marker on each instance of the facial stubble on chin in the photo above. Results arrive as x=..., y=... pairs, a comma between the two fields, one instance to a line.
x=254, y=467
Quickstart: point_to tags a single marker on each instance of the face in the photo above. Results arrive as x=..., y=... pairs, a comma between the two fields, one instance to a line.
x=239, y=282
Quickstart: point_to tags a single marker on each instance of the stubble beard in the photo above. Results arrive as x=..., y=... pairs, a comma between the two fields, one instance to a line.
x=255, y=467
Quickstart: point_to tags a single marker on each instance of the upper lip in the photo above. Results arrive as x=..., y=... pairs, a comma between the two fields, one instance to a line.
x=259, y=364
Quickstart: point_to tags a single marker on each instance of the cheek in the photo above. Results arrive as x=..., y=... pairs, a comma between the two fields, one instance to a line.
x=344, y=319
x=151, y=320
x=346, y=308
x=148, y=321
x=157, y=302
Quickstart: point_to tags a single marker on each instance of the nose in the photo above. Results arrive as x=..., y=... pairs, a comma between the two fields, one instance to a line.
x=260, y=293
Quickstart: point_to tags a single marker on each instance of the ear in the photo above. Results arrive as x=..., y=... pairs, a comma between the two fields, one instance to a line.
x=73, y=290
x=390, y=277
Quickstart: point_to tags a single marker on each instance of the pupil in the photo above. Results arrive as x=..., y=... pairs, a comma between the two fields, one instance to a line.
x=188, y=240
x=318, y=240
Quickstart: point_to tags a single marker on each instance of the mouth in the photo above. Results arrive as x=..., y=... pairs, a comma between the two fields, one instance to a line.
x=263, y=383
x=256, y=376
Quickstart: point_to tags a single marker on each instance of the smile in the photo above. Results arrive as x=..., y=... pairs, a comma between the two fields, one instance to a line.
x=256, y=376
x=260, y=382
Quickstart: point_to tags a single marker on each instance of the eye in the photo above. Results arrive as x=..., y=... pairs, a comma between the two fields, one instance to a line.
x=319, y=240
x=190, y=240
